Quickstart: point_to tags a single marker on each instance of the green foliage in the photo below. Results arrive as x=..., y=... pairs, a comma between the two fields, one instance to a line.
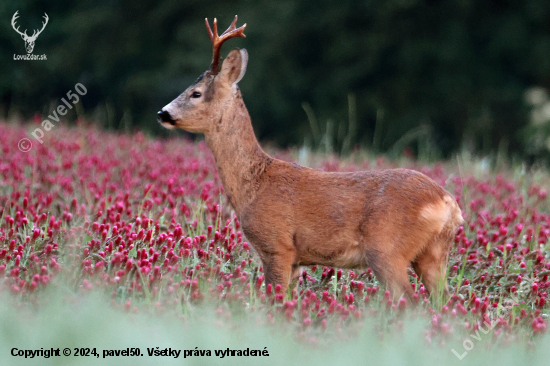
x=65, y=320
x=426, y=75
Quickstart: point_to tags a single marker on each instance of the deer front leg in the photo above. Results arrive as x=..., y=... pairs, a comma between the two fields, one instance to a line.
x=273, y=240
x=278, y=268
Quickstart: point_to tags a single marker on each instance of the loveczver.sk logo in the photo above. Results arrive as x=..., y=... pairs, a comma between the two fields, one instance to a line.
x=29, y=40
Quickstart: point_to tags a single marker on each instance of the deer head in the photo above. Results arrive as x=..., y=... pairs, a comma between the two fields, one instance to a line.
x=29, y=40
x=201, y=105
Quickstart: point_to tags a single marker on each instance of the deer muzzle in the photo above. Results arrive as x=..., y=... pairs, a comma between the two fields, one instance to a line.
x=165, y=117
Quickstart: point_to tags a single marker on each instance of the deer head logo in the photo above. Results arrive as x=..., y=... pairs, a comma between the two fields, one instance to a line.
x=29, y=40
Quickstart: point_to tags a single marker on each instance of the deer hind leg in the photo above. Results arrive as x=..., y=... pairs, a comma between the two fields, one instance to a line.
x=431, y=262
x=294, y=277
x=431, y=265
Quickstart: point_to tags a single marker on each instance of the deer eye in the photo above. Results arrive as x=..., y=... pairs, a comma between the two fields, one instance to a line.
x=196, y=94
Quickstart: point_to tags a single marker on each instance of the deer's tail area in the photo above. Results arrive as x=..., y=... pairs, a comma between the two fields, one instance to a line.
x=431, y=262
x=454, y=221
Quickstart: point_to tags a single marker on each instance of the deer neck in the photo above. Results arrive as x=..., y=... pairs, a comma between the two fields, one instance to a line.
x=239, y=158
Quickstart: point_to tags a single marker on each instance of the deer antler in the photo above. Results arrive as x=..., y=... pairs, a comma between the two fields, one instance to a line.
x=217, y=41
x=24, y=34
x=15, y=16
x=35, y=34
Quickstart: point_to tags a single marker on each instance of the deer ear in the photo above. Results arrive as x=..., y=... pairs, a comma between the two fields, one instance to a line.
x=234, y=66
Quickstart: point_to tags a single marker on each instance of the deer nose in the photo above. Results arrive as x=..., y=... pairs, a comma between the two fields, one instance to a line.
x=164, y=116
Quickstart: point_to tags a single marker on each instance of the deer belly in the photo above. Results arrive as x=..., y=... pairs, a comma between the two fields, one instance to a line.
x=341, y=252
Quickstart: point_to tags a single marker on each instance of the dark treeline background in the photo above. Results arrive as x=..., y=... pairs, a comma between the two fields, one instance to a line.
x=384, y=74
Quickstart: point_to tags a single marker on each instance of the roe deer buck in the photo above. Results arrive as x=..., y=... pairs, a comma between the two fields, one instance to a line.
x=292, y=215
